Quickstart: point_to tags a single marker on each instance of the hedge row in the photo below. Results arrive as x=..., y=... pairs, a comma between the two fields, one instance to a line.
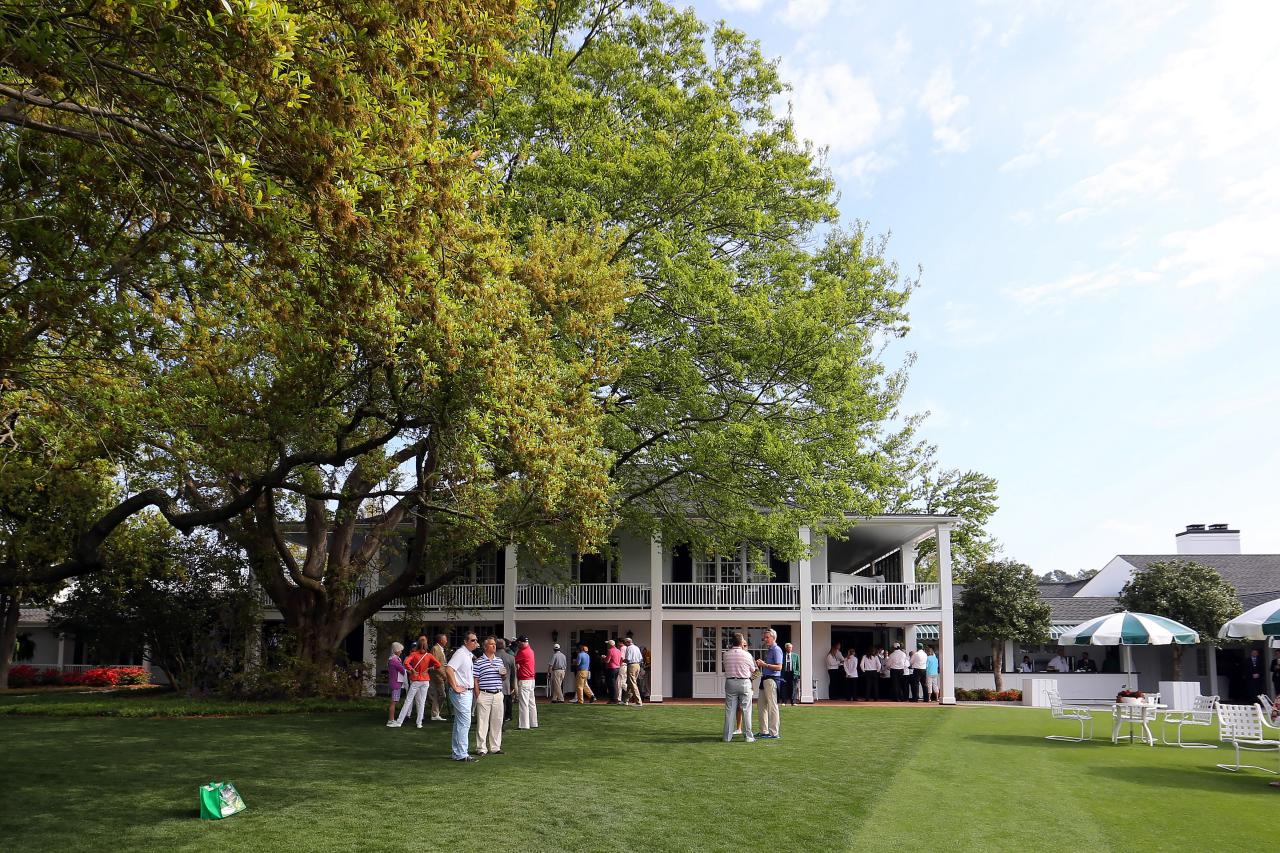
x=24, y=675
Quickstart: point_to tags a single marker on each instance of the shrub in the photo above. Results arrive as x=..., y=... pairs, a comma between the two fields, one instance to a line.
x=22, y=675
x=103, y=676
x=50, y=677
x=983, y=694
x=133, y=675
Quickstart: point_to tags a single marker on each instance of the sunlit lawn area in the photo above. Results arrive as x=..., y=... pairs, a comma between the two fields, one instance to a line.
x=611, y=778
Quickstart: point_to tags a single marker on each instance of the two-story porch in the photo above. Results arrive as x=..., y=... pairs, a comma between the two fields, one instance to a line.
x=681, y=608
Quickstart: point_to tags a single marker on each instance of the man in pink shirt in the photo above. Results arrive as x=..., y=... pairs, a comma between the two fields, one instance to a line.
x=738, y=666
x=526, y=673
x=612, y=666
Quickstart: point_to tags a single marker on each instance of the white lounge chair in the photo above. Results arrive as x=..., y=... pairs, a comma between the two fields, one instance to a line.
x=1201, y=714
x=1062, y=712
x=1243, y=727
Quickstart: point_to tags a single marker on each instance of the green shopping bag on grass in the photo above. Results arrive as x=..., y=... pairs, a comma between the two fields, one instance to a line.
x=219, y=800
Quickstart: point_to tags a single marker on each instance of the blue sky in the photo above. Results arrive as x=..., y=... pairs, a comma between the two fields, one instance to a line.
x=1093, y=193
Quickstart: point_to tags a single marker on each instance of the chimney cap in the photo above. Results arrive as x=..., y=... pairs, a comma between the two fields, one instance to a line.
x=1199, y=529
x=1194, y=528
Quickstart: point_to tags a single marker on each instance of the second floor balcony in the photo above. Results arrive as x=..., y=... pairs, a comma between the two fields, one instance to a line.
x=674, y=596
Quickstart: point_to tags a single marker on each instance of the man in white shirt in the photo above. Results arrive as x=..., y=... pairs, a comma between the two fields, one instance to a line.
x=835, y=672
x=462, y=694
x=897, y=673
x=964, y=664
x=919, y=675
x=632, y=659
x=1060, y=663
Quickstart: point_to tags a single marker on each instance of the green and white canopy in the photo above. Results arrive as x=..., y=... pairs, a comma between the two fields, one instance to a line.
x=1129, y=629
x=1257, y=623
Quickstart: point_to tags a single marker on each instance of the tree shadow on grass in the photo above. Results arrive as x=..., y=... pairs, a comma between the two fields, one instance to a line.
x=1180, y=778
x=1036, y=740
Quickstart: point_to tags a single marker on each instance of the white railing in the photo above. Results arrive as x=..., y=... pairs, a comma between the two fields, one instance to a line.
x=581, y=596
x=731, y=596
x=471, y=596
x=876, y=596
x=264, y=598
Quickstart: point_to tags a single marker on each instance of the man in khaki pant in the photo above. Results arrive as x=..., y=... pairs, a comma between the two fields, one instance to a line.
x=583, y=691
x=770, y=664
x=555, y=675
x=436, y=693
x=632, y=659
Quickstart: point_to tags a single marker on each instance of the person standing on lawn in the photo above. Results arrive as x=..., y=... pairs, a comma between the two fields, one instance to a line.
x=461, y=675
x=851, y=676
x=555, y=674
x=490, y=673
x=439, y=689
x=419, y=664
x=612, y=659
x=526, y=672
x=870, y=670
x=770, y=664
x=934, y=692
x=583, y=693
x=738, y=667
x=898, y=663
x=918, y=687
x=509, y=686
x=634, y=660
x=395, y=679
x=790, y=675
x=835, y=672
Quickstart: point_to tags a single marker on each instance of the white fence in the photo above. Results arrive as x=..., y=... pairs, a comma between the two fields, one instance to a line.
x=582, y=596
x=877, y=596
x=472, y=596
x=731, y=596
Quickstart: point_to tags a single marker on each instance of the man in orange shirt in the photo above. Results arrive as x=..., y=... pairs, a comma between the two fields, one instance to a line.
x=419, y=664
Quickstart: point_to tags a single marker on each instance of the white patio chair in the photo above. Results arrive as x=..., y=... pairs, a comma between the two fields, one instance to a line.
x=1242, y=726
x=1077, y=715
x=1201, y=714
x=1268, y=708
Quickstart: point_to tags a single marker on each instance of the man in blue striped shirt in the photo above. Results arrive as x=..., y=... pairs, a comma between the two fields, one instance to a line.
x=489, y=672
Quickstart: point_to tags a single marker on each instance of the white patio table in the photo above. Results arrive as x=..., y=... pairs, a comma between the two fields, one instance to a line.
x=1137, y=713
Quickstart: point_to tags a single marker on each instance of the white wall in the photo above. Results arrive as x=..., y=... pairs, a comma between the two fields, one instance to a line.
x=1114, y=575
x=633, y=558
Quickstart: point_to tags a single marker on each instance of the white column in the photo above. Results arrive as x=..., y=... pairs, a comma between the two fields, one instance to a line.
x=509, y=580
x=909, y=638
x=804, y=643
x=62, y=650
x=656, y=661
x=909, y=563
x=946, y=626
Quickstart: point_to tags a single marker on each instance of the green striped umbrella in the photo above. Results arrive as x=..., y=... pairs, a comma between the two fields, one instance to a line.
x=1256, y=623
x=1129, y=629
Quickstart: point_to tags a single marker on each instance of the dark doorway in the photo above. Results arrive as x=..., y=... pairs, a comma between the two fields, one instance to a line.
x=682, y=572
x=594, y=640
x=681, y=661
x=858, y=639
x=593, y=568
x=353, y=646
x=780, y=568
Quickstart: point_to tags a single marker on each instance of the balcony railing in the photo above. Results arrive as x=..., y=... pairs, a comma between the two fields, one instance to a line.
x=582, y=596
x=731, y=596
x=471, y=596
x=876, y=596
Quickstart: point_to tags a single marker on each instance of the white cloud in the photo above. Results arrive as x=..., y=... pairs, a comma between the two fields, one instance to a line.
x=1022, y=217
x=1084, y=284
x=943, y=106
x=835, y=108
x=1229, y=255
x=805, y=13
x=1141, y=177
x=742, y=5
x=1075, y=214
x=1021, y=162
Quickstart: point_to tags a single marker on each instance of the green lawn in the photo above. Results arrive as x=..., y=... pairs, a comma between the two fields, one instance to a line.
x=609, y=778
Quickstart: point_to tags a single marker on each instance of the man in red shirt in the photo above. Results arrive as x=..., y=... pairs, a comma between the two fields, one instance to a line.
x=526, y=674
x=419, y=664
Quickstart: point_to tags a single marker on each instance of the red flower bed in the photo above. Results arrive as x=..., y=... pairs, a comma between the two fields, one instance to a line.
x=102, y=676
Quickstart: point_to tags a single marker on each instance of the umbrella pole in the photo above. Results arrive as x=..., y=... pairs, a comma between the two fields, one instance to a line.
x=1127, y=651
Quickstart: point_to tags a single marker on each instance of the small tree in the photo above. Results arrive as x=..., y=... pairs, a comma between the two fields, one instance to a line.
x=1189, y=592
x=999, y=603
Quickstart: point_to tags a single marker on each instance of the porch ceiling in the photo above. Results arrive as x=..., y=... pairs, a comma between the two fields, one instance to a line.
x=868, y=539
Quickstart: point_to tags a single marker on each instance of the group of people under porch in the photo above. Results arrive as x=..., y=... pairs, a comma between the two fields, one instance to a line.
x=879, y=674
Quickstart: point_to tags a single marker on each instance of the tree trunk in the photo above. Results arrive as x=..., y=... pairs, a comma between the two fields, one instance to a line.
x=12, y=602
x=997, y=663
x=1177, y=662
